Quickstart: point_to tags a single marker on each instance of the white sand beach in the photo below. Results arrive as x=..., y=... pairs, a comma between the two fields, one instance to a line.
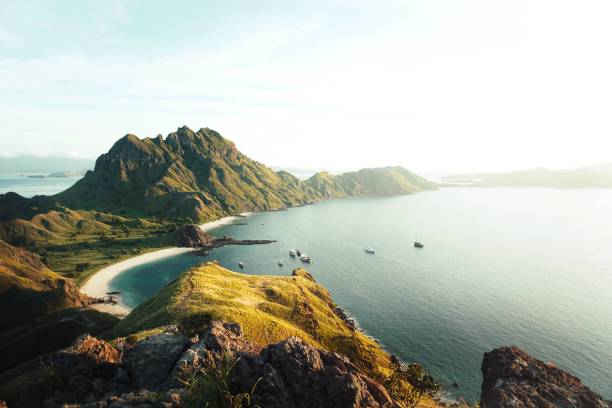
x=222, y=221
x=98, y=284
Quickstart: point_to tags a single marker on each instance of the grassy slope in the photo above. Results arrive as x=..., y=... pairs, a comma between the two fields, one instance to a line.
x=269, y=309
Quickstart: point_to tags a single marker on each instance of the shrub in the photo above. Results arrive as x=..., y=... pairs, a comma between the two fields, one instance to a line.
x=409, y=384
x=194, y=323
x=211, y=388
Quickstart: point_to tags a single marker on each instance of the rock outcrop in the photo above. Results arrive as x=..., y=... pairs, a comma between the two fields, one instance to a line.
x=151, y=372
x=513, y=378
x=192, y=236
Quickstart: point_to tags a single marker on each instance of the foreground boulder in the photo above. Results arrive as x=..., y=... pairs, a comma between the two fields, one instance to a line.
x=513, y=378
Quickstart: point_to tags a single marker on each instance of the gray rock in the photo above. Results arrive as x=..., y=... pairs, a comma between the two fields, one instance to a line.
x=150, y=361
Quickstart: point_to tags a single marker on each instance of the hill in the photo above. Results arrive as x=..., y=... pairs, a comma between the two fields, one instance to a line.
x=268, y=308
x=203, y=176
x=41, y=310
x=599, y=176
x=33, y=164
x=29, y=289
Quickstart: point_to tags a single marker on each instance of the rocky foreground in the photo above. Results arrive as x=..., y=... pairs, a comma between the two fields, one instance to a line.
x=156, y=372
x=167, y=369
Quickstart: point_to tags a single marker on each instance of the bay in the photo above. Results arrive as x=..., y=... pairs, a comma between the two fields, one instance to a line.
x=529, y=267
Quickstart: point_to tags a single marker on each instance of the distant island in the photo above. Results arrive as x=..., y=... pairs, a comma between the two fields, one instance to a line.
x=599, y=176
x=59, y=174
x=43, y=165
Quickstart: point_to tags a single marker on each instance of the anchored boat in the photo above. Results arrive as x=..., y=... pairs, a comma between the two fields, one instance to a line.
x=369, y=250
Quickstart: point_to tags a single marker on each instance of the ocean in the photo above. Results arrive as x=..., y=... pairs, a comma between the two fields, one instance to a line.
x=530, y=267
x=31, y=186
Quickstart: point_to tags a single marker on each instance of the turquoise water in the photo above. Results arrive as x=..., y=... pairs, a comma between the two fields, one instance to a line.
x=29, y=187
x=526, y=267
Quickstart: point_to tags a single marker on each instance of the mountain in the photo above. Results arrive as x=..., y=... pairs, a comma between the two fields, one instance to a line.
x=203, y=176
x=599, y=176
x=33, y=164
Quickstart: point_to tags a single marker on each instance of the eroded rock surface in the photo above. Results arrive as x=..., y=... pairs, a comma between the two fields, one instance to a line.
x=513, y=378
x=192, y=236
x=150, y=372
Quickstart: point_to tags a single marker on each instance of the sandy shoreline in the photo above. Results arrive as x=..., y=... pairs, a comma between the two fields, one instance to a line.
x=98, y=284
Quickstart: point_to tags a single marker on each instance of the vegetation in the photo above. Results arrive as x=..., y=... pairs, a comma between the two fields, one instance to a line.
x=212, y=387
x=268, y=308
x=409, y=385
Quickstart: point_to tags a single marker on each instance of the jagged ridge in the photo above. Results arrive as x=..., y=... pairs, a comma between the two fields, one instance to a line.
x=203, y=176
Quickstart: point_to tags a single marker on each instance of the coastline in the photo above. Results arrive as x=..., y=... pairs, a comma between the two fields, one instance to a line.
x=98, y=285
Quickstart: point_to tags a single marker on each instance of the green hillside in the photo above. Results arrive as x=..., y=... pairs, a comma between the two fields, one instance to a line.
x=268, y=308
x=203, y=176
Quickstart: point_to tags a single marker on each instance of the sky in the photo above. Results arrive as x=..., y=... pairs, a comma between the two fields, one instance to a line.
x=435, y=86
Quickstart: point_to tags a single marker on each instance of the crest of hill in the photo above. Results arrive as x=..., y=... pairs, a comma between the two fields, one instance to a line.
x=203, y=176
x=268, y=308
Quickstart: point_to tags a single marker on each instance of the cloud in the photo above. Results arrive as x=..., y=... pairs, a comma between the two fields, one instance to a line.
x=480, y=85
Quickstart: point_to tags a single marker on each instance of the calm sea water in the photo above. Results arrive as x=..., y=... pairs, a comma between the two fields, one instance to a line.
x=29, y=187
x=526, y=267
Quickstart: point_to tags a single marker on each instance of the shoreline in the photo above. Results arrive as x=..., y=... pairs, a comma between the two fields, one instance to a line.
x=98, y=284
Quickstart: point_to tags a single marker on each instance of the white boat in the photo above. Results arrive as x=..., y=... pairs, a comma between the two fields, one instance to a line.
x=241, y=264
x=305, y=258
x=369, y=250
x=292, y=253
x=280, y=263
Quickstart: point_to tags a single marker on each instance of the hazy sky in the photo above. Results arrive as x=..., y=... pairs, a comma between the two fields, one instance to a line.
x=439, y=85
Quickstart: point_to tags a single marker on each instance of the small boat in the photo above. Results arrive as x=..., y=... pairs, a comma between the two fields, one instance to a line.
x=241, y=264
x=305, y=259
x=369, y=250
x=292, y=253
x=298, y=252
x=418, y=244
x=280, y=263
